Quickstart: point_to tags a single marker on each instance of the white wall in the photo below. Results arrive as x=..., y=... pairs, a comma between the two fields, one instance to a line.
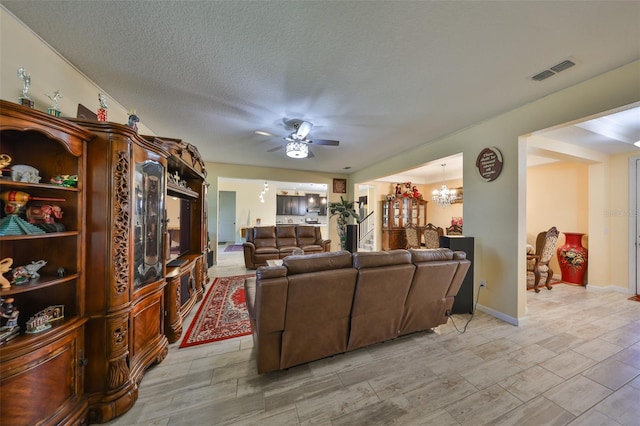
x=495, y=212
x=49, y=71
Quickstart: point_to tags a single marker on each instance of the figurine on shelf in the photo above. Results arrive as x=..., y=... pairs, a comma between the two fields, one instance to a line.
x=22, y=274
x=24, y=98
x=398, y=190
x=54, y=108
x=8, y=320
x=46, y=213
x=5, y=266
x=5, y=160
x=133, y=120
x=38, y=323
x=65, y=180
x=25, y=173
x=102, y=111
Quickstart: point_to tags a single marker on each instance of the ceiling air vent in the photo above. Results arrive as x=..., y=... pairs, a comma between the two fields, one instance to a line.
x=568, y=63
x=563, y=66
x=543, y=75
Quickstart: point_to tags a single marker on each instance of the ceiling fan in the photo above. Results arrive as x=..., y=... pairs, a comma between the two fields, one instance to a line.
x=298, y=140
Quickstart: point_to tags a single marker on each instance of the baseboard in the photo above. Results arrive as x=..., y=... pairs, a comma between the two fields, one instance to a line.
x=610, y=288
x=497, y=314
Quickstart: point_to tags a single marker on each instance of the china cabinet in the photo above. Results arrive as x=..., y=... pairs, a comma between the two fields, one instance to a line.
x=42, y=369
x=396, y=214
x=187, y=242
x=125, y=265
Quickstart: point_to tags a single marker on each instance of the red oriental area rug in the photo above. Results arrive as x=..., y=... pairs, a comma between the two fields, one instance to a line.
x=222, y=314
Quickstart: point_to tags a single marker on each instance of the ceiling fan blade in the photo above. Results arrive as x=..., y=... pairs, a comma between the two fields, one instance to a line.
x=325, y=142
x=274, y=149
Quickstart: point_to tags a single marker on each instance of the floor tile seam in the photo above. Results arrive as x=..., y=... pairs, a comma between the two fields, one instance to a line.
x=557, y=375
x=619, y=387
x=447, y=407
x=540, y=395
x=611, y=392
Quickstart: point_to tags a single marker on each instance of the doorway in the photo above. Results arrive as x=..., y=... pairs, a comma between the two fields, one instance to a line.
x=227, y=217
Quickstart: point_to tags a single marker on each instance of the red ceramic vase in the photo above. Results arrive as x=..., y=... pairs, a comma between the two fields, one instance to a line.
x=572, y=257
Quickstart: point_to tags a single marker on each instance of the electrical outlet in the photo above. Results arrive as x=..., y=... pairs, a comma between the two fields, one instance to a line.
x=483, y=284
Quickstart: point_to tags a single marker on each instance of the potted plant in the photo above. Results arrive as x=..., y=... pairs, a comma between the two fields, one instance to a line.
x=344, y=210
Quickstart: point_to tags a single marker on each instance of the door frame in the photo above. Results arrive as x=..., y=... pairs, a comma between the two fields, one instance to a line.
x=634, y=225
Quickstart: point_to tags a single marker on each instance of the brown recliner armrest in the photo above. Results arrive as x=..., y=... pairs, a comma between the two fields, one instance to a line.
x=249, y=252
x=325, y=244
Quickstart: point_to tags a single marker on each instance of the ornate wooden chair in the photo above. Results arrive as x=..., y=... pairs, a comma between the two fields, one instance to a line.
x=432, y=236
x=411, y=236
x=538, y=262
x=454, y=230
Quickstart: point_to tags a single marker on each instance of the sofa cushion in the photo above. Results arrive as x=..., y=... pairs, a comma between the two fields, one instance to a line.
x=317, y=262
x=380, y=258
x=286, y=237
x=384, y=279
x=306, y=236
x=430, y=255
x=264, y=236
x=317, y=313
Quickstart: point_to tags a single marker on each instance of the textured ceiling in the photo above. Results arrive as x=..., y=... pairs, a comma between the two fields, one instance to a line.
x=380, y=76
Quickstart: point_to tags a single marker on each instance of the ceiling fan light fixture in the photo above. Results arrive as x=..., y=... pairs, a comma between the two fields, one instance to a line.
x=296, y=149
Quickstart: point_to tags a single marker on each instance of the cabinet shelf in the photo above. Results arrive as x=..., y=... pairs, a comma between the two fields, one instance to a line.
x=38, y=283
x=30, y=342
x=39, y=236
x=27, y=185
x=179, y=190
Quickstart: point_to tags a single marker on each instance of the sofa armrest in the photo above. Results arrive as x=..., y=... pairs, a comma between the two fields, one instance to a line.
x=325, y=244
x=271, y=298
x=249, y=250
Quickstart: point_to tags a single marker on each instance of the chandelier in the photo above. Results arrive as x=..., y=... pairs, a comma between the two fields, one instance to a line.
x=444, y=196
x=297, y=149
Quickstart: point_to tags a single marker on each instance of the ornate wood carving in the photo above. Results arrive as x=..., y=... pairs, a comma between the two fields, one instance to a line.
x=121, y=224
x=118, y=372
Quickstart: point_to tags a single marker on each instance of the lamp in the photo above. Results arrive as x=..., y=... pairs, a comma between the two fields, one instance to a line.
x=266, y=188
x=297, y=149
x=444, y=196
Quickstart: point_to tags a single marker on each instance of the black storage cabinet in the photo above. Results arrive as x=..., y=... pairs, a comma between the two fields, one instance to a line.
x=463, y=303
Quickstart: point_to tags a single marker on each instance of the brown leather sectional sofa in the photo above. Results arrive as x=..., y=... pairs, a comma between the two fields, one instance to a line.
x=276, y=242
x=318, y=305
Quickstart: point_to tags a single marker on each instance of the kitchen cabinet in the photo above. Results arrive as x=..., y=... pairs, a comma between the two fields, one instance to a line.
x=291, y=205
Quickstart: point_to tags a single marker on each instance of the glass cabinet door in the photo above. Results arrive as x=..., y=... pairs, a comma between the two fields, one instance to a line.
x=396, y=210
x=385, y=214
x=147, y=221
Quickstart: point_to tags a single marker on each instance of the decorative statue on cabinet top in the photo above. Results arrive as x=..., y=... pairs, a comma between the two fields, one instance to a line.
x=133, y=120
x=25, y=98
x=54, y=108
x=102, y=110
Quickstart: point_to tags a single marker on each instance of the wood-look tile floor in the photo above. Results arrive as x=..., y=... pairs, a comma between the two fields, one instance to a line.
x=576, y=361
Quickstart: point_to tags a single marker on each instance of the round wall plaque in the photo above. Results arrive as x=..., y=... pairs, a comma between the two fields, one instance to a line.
x=489, y=163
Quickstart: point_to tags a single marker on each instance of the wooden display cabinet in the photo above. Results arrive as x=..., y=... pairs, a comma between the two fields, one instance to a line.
x=126, y=193
x=187, y=243
x=42, y=374
x=396, y=214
